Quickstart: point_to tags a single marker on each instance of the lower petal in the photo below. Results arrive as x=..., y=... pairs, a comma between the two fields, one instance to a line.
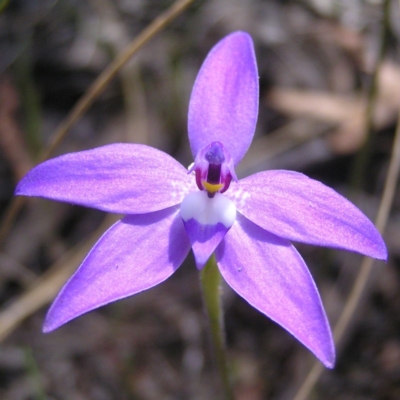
x=269, y=273
x=135, y=254
x=204, y=239
x=206, y=219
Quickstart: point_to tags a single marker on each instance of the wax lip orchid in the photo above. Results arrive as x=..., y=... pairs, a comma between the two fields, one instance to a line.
x=247, y=223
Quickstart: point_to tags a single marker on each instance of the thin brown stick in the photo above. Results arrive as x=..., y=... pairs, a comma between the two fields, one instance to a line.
x=361, y=281
x=46, y=287
x=366, y=265
x=93, y=92
x=110, y=72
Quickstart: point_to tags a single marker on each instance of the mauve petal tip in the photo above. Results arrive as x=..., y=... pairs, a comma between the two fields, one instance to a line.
x=18, y=189
x=48, y=328
x=200, y=262
x=379, y=250
x=330, y=359
x=330, y=364
x=240, y=34
x=384, y=255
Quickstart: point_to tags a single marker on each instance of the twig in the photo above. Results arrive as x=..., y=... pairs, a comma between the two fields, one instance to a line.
x=93, y=92
x=386, y=202
x=11, y=141
x=46, y=287
x=366, y=265
x=110, y=72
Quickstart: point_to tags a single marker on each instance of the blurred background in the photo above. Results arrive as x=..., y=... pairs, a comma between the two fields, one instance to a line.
x=317, y=61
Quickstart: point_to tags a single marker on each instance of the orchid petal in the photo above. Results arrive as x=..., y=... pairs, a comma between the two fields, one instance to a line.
x=206, y=222
x=295, y=207
x=204, y=239
x=119, y=178
x=268, y=272
x=208, y=211
x=125, y=261
x=224, y=102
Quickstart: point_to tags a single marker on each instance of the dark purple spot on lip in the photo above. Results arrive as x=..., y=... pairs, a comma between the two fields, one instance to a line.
x=215, y=156
x=214, y=174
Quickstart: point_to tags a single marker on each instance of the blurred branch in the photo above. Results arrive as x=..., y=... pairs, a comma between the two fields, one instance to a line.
x=297, y=131
x=93, y=92
x=44, y=289
x=344, y=112
x=116, y=36
x=110, y=72
x=385, y=206
x=365, y=268
x=11, y=140
x=29, y=98
x=11, y=269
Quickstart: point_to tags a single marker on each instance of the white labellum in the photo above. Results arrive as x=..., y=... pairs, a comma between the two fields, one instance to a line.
x=208, y=211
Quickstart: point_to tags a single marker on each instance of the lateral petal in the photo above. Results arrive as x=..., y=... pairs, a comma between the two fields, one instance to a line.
x=293, y=206
x=224, y=102
x=268, y=272
x=135, y=254
x=120, y=178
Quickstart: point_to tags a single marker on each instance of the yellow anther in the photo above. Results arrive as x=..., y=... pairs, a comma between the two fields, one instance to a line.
x=212, y=188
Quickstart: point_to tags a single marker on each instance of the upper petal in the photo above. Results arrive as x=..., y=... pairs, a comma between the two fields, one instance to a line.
x=122, y=178
x=224, y=102
x=268, y=272
x=293, y=206
x=135, y=254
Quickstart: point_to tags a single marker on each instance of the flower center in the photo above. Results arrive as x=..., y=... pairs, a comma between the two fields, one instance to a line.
x=214, y=169
x=206, y=213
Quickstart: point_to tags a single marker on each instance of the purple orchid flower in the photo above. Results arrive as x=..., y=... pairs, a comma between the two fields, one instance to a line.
x=247, y=223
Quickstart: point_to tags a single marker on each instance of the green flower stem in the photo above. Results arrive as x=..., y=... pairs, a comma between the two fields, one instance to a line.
x=210, y=279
